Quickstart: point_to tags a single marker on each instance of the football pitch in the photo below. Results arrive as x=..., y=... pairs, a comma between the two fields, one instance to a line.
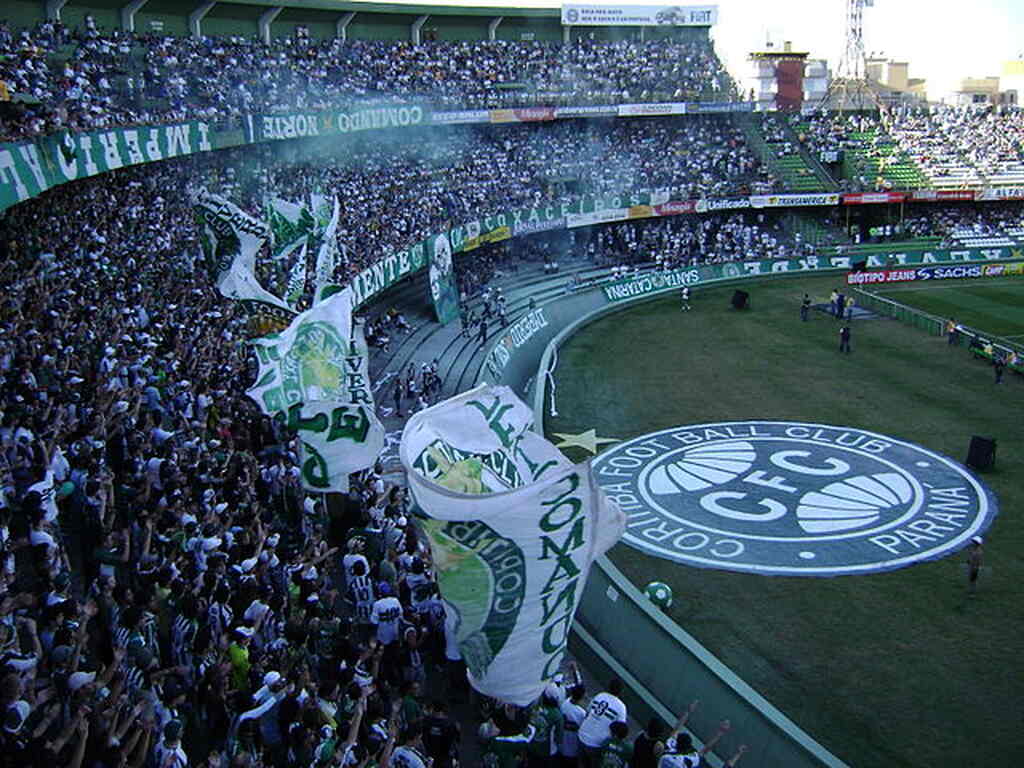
x=889, y=669
x=993, y=306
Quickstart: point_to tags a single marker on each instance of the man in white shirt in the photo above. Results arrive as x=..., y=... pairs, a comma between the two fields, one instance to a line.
x=386, y=614
x=595, y=730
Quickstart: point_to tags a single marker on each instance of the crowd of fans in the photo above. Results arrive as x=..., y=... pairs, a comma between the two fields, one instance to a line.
x=171, y=594
x=682, y=241
x=91, y=78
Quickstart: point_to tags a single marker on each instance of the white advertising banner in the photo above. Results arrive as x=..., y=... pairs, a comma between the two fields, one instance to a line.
x=514, y=528
x=617, y=15
x=645, y=110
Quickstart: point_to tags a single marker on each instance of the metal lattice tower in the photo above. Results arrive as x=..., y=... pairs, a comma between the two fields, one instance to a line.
x=853, y=65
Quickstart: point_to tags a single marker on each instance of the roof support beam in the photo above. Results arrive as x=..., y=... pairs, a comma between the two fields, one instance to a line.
x=416, y=27
x=492, y=28
x=128, y=14
x=341, y=28
x=195, y=19
x=266, y=19
x=53, y=8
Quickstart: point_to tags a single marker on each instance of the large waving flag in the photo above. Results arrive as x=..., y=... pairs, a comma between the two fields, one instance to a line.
x=315, y=374
x=230, y=240
x=514, y=527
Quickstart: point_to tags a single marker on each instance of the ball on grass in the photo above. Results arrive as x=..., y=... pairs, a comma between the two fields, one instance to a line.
x=659, y=593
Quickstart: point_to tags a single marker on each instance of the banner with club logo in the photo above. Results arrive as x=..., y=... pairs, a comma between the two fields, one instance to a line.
x=315, y=375
x=513, y=526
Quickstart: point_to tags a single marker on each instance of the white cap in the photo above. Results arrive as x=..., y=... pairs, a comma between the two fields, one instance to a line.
x=80, y=680
x=977, y=539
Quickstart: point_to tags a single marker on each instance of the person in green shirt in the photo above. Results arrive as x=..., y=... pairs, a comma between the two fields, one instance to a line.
x=546, y=720
x=238, y=653
x=618, y=752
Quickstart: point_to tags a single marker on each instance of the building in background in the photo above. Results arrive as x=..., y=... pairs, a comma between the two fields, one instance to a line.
x=1011, y=83
x=892, y=83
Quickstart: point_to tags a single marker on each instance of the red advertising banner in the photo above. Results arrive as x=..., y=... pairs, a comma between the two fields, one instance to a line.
x=861, y=198
x=674, y=208
x=524, y=115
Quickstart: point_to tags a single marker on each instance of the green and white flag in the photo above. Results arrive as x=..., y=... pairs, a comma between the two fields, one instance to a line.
x=297, y=278
x=230, y=239
x=315, y=375
x=514, y=527
x=290, y=225
x=327, y=254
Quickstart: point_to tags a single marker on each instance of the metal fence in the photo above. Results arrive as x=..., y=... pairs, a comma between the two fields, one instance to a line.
x=929, y=323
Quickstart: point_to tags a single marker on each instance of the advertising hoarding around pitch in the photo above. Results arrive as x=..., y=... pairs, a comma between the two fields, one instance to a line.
x=616, y=15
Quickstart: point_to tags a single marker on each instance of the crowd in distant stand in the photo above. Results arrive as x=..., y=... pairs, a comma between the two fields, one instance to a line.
x=682, y=241
x=395, y=191
x=977, y=143
x=92, y=78
x=953, y=222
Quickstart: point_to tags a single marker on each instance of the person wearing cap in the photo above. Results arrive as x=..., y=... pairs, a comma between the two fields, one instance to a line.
x=238, y=653
x=975, y=556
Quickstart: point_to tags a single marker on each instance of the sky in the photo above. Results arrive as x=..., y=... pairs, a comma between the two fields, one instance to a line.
x=943, y=41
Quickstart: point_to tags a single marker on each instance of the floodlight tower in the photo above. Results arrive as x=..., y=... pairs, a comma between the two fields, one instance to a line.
x=851, y=81
x=853, y=65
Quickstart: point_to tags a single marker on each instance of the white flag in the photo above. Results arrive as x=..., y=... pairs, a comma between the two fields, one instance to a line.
x=514, y=527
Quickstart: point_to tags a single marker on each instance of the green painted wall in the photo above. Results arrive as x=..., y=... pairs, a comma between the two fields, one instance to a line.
x=73, y=15
x=20, y=14
x=228, y=20
x=449, y=28
x=170, y=24
x=381, y=26
x=321, y=24
x=541, y=30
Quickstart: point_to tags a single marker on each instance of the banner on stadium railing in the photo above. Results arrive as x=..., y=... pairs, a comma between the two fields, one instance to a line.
x=935, y=272
x=30, y=168
x=1000, y=193
x=781, y=201
x=315, y=376
x=718, y=107
x=443, y=292
x=500, y=226
x=298, y=125
x=618, y=15
x=596, y=111
x=514, y=528
x=522, y=115
x=652, y=110
x=723, y=204
x=655, y=282
x=862, y=198
x=940, y=195
x=461, y=116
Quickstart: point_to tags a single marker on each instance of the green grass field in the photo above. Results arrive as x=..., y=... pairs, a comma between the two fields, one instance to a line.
x=993, y=306
x=893, y=669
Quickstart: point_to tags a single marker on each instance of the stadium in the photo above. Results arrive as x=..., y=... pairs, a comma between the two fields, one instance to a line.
x=428, y=384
